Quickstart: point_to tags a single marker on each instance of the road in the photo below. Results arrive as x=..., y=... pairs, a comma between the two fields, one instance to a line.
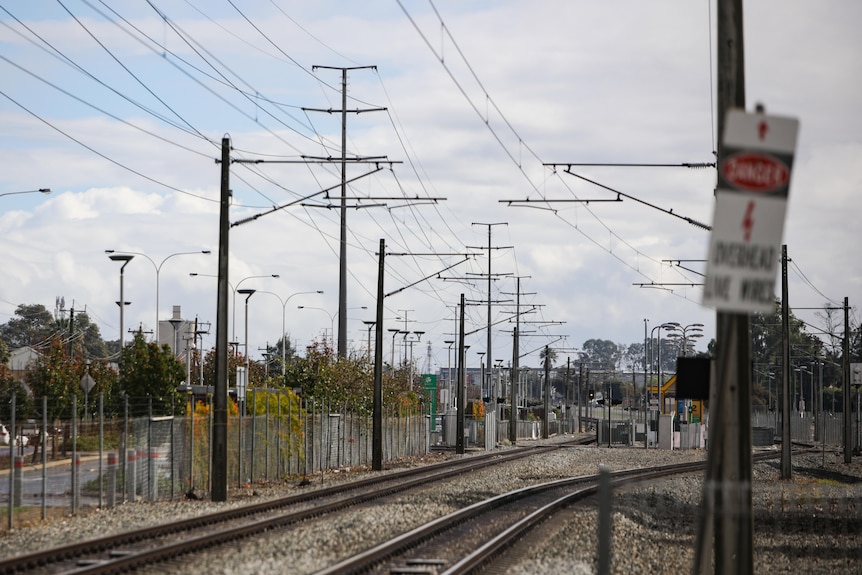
x=57, y=480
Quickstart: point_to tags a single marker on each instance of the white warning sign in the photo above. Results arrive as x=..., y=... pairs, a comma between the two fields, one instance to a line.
x=750, y=206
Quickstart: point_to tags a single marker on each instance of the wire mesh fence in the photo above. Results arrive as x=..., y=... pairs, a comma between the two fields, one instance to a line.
x=97, y=462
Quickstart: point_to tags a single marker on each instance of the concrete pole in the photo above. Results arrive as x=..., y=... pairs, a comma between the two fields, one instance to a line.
x=220, y=399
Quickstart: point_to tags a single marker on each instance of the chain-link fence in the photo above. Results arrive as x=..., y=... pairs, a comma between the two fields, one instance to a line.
x=165, y=455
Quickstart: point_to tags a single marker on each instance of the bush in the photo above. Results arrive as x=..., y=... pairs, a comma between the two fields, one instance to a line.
x=91, y=442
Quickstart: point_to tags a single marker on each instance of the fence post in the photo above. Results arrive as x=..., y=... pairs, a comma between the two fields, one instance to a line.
x=173, y=448
x=111, y=479
x=148, y=452
x=11, y=456
x=44, y=442
x=253, y=433
x=605, y=518
x=76, y=482
x=266, y=442
x=18, y=480
x=152, y=458
x=75, y=461
x=131, y=474
x=126, y=472
x=101, y=442
x=278, y=437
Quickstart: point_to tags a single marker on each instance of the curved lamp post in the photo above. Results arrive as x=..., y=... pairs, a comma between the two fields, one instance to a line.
x=283, y=322
x=39, y=191
x=666, y=326
x=158, y=268
x=685, y=334
x=236, y=289
x=370, y=325
x=331, y=318
x=125, y=258
x=394, y=331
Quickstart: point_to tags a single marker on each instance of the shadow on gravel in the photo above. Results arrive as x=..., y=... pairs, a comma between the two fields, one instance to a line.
x=821, y=473
x=809, y=514
x=846, y=556
x=836, y=476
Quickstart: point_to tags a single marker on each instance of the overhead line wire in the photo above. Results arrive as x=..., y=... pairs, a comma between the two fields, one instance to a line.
x=220, y=79
x=103, y=156
x=811, y=285
x=62, y=57
x=472, y=104
x=129, y=71
x=102, y=110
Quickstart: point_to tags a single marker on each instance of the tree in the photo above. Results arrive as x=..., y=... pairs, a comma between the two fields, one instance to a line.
x=322, y=376
x=31, y=325
x=767, y=353
x=602, y=351
x=88, y=339
x=148, y=371
x=766, y=338
x=234, y=360
x=58, y=377
x=53, y=376
x=275, y=354
x=9, y=387
x=551, y=354
x=633, y=355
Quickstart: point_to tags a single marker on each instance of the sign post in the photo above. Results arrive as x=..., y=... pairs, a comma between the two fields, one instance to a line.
x=754, y=165
x=750, y=205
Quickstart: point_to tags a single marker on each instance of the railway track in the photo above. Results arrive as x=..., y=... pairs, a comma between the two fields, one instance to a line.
x=472, y=538
x=129, y=550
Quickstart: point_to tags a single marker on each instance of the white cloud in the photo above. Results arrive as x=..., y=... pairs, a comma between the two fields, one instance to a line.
x=579, y=82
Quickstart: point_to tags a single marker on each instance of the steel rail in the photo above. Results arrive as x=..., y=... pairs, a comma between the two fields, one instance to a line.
x=370, y=559
x=378, y=486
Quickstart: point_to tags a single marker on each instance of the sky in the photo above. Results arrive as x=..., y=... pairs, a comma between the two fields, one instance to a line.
x=121, y=110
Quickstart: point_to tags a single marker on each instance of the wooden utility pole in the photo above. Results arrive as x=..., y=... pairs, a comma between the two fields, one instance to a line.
x=786, y=467
x=786, y=399
x=848, y=422
x=726, y=533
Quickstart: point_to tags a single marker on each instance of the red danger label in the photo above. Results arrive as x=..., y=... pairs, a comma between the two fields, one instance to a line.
x=755, y=172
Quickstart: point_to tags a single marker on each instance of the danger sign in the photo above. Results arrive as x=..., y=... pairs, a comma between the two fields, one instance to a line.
x=755, y=172
x=750, y=206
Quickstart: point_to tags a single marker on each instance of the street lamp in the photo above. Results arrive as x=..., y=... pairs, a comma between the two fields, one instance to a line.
x=418, y=335
x=158, y=269
x=39, y=191
x=667, y=326
x=370, y=325
x=283, y=323
x=481, y=355
x=450, y=343
x=235, y=289
x=122, y=303
x=682, y=332
x=331, y=317
x=394, y=331
x=241, y=395
x=800, y=403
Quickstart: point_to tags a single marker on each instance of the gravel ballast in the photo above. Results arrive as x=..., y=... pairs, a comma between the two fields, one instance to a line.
x=809, y=524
